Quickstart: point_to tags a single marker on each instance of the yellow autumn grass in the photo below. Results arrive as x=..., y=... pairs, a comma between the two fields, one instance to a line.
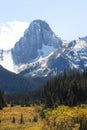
x=60, y=118
x=7, y=114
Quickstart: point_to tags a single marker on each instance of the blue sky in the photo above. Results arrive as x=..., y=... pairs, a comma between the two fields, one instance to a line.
x=67, y=18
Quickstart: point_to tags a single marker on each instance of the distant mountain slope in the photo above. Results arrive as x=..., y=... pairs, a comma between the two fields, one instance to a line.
x=10, y=82
x=15, y=83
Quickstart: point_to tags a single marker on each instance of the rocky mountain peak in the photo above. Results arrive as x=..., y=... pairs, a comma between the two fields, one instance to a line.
x=83, y=38
x=33, y=45
x=39, y=24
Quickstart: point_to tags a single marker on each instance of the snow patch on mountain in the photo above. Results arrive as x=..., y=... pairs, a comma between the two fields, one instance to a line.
x=35, y=66
x=46, y=50
x=80, y=44
x=6, y=60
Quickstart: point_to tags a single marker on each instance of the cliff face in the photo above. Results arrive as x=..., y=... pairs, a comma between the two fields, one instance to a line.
x=37, y=38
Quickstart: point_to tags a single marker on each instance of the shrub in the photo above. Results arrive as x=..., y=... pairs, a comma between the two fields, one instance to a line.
x=35, y=119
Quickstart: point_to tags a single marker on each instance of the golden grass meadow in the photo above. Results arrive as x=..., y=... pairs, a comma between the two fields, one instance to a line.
x=60, y=118
x=28, y=113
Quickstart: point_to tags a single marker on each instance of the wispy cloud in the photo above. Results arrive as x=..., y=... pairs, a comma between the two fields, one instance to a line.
x=10, y=33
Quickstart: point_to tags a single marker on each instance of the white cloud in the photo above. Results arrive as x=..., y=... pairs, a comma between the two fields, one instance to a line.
x=10, y=33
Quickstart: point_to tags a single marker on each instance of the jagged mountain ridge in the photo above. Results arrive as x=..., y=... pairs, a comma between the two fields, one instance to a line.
x=41, y=53
x=72, y=55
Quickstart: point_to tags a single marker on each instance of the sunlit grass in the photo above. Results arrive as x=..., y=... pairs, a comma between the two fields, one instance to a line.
x=7, y=114
x=60, y=118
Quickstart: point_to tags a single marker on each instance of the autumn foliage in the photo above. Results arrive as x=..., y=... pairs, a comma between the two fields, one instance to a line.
x=66, y=118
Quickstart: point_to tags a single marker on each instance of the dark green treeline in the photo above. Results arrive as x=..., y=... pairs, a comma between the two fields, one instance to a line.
x=67, y=89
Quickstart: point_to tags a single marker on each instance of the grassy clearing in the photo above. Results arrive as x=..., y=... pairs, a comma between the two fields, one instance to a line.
x=28, y=118
x=30, y=115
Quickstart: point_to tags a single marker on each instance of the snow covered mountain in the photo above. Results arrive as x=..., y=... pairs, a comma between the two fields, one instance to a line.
x=41, y=53
x=72, y=56
x=38, y=41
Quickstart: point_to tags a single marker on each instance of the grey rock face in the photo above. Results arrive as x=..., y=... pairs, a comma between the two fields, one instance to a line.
x=38, y=34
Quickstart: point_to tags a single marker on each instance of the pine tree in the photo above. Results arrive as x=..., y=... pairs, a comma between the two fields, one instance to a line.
x=13, y=120
x=2, y=100
x=21, y=119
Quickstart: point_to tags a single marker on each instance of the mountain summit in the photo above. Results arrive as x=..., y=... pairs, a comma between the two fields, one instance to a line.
x=38, y=41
